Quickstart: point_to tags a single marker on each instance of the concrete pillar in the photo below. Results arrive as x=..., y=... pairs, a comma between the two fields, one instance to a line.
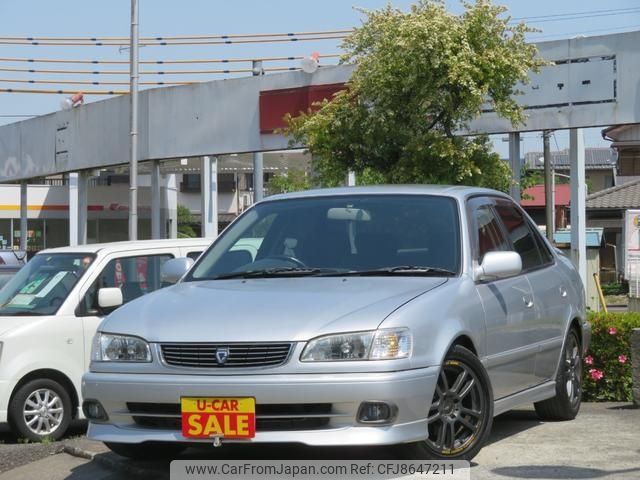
x=578, y=203
x=351, y=179
x=209, y=208
x=514, y=162
x=156, y=204
x=172, y=205
x=23, y=216
x=549, y=202
x=635, y=366
x=77, y=208
x=258, y=177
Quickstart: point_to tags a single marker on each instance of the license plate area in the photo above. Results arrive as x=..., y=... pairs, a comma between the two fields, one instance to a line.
x=222, y=417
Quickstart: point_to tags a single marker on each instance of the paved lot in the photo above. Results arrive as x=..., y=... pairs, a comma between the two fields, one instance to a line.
x=603, y=442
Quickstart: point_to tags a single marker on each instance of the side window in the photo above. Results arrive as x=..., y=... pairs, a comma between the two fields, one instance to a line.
x=489, y=236
x=135, y=276
x=521, y=236
x=194, y=255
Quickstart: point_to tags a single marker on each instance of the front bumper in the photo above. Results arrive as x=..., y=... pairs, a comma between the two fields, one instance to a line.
x=411, y=391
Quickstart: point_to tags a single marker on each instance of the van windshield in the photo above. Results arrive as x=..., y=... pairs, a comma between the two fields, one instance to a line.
x=43, y=284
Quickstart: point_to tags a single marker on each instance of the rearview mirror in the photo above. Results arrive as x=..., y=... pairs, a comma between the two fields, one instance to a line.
x=499, y=265
x=173, y=270
x=109, y=298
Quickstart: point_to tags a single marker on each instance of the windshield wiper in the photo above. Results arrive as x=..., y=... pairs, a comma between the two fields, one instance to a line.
x=410, y=270
x=20, y=313
x=273, y=272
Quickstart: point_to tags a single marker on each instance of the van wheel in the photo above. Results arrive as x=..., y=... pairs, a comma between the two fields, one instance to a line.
x=40, y=409
x=147, y=450
x=566, y=404
x=460, y=416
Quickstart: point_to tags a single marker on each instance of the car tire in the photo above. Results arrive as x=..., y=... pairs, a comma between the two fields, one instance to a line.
x=461, y=413
x=566, y=404
x=147, y=450
x=40, y=409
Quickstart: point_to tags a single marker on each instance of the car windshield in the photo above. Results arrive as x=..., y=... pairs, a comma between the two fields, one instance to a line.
x=43, y=284
x=342, y=235
x=7, y=274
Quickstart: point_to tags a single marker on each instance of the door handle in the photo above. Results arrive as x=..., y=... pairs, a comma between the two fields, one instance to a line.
x=563, y=292
x=528, y=302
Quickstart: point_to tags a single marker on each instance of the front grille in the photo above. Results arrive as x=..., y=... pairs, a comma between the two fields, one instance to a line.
x=240, y=355
x=269, y=417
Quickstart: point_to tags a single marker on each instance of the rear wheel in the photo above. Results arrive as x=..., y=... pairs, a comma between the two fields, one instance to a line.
x=566, y=404
x=461, y=412
x=147, y=450
x=40, y=409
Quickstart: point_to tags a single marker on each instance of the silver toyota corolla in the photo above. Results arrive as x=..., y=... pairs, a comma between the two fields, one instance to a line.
x=356, y=316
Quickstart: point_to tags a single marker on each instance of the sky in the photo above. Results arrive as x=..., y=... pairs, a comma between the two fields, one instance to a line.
x=90, y=18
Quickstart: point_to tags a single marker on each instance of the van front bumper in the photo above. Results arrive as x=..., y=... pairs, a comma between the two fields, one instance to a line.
x=145, y=408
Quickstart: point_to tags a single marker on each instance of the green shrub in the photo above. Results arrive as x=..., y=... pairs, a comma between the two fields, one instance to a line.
x=607, y=365
x=615, y=288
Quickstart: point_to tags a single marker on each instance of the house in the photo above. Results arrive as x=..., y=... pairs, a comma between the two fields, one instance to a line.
x=533, y=203
x=600, y=164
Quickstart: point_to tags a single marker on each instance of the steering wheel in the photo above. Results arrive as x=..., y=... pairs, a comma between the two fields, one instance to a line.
x=288, y=258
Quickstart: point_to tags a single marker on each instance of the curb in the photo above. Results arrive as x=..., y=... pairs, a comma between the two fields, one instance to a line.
x=106, y=461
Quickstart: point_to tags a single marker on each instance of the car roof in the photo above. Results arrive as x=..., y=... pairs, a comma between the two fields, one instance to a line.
x=132, y=245
x=455, y=191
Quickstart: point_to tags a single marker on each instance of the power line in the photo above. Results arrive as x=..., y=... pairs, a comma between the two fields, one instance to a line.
x=582, y=17
x=162, y=62
x=556, y=15
x=148, y=72
x=169, y=43
x=566, y=35
x=64, y=92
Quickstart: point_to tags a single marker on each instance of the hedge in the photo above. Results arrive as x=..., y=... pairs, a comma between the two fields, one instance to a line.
x=607, y=364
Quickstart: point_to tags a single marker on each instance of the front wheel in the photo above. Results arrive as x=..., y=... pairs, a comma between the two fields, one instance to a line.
x=566, y=404
x=40, y=409
x=461, y=412
x=147, y=450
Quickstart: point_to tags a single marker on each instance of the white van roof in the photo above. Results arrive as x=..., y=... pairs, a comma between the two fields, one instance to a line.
x=132, y=245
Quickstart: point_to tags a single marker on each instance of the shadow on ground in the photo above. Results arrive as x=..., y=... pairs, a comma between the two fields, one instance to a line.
x=559, y=472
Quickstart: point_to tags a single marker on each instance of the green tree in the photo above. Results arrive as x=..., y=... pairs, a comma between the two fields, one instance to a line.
x=185, y=222
x=293, y=180
x=420, y=76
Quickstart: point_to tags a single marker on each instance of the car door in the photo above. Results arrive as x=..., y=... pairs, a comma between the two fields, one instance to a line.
x=548, y=285
x=508, y=307
x=135, y=273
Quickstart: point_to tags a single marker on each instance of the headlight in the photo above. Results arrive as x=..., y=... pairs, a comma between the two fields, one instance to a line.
x=385, y=344
x=108, y=347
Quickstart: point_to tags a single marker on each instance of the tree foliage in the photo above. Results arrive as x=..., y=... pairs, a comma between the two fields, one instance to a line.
x=292, y=180
x=420, y=77
x=185, y=223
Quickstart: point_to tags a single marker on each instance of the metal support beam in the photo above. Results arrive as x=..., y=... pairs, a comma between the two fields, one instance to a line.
x=133, y=145
x=156, y=201
x=514, y=162
x=77, y=208
x=549, y=205
x=209, y=208
x=258, y=177
x=23, y=216
x=578, y=202
x=172, y=205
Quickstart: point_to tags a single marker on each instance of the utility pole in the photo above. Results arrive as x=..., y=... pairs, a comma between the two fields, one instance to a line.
x=258, y=163
x=133, y=143
x=550, y=210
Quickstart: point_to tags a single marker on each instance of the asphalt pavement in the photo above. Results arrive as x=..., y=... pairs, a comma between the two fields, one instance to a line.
x=603, y=442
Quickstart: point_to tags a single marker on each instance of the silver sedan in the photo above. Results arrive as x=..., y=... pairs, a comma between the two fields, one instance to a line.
x=406, y=316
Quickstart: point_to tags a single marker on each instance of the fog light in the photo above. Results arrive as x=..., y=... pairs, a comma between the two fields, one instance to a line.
x=376, y=412
x=93, y=410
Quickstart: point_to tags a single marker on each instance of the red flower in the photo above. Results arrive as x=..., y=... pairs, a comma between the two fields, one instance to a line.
x=596, y=374
x=612, y=330
x=622, y=358
x=588, y=360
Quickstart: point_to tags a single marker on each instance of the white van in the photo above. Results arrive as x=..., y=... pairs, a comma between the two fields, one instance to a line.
x=49, y=312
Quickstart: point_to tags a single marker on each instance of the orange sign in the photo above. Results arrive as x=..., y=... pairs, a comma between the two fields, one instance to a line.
x=224, y=417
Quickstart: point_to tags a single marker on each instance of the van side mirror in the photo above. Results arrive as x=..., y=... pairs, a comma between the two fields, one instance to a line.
x=109, y=298
x=497, y=265
x=173, y=270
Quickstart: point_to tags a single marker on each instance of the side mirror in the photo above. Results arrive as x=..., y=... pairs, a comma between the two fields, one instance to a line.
x=173, y=270
x=109, y=298
x=499, y=265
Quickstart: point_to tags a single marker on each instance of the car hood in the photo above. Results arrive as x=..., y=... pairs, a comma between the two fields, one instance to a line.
x=275, y=309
